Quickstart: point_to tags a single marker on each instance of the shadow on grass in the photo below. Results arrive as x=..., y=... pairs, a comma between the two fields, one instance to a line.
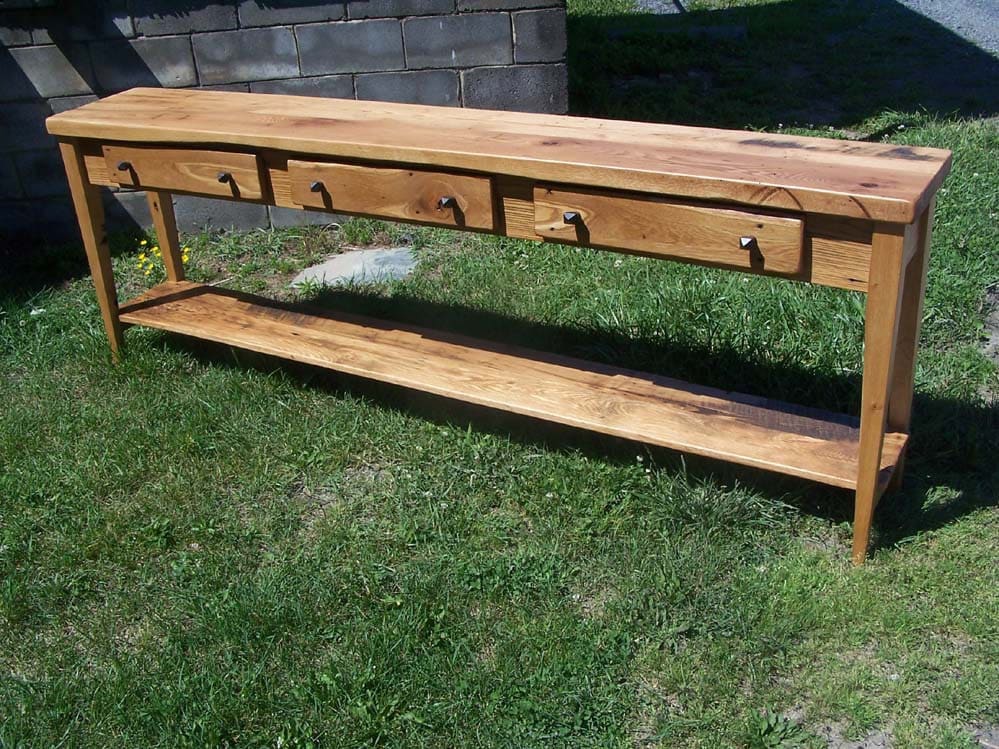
x=804, y=63
x=951, y=470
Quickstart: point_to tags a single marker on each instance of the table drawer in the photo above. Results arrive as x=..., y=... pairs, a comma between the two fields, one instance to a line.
x=222, y=173
x=459, y=200
x=668, y=228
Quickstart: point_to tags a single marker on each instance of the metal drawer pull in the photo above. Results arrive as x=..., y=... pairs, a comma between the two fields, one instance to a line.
x=124, y=166
x=316, y=186
x=748, y=243
x=225, y=177
x=572, y=217
x=447, y=201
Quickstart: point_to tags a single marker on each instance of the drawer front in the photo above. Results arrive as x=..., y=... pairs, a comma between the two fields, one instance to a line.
x=228, y=175
x=459, y=200
x=657, y=226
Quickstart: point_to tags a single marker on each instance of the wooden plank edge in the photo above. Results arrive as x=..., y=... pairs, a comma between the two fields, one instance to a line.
x=131, y=312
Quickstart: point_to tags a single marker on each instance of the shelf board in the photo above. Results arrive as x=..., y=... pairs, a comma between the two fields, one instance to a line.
x=747, y=430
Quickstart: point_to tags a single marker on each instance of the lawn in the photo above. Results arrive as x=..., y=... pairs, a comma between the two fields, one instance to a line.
x=203, y=547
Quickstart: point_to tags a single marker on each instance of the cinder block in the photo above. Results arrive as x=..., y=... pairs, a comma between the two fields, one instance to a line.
x=284, y=12
x=282, y=218
x=54, y=220
x=397, y=8
x=15, y=28
x=246, y=55
x=66, y=103
x=22, y=126
x=40, y=221
x=17, y=220
x=327, y=86
x=42, y=173
x=350, y=47
x=82, y=22
x=242, y=88
x=126, y=210
x=520, y=88
x=539, y=36
x=16, y=84
x=50, y=70
x=152, y=61
x=196, y=214
x=508, y=4
x=411, y=87
x=458, y=41
x=10, y=186
x=158, y=17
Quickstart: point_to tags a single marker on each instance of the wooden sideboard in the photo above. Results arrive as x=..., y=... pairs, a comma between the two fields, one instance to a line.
x=837, y=213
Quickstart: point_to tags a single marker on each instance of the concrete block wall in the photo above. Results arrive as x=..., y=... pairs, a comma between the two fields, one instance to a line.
x=494, y=54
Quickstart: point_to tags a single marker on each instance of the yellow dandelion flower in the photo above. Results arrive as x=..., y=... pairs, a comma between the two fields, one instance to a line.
x=143, y=243
x=142, y=256
x=185, y=250
x=184, y=258
x=148, y=272
x=139, y=265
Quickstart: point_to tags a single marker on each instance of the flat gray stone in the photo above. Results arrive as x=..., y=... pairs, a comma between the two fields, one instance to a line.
x=360, y=266
x=987, y=736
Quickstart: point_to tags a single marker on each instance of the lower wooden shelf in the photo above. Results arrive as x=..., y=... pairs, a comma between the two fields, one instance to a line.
x=747, y=430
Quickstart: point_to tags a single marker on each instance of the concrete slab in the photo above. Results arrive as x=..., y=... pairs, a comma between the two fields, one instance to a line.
x=360, y=266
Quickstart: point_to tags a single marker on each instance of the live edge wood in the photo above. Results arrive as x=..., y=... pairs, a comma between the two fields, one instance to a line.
x=750, y=431
x=838, y=213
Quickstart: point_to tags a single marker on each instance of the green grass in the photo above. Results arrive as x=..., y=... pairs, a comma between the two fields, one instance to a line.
x=202, y=547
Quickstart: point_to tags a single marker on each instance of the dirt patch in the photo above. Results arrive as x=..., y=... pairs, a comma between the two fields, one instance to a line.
x=833, y=735
x=653, y=701
x=318, y=504
x=592, y=602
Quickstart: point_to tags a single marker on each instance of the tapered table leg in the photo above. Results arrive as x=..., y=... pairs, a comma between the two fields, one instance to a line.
x=90, y=215
x=161, y=209
x=881, y=324
x=903, y=381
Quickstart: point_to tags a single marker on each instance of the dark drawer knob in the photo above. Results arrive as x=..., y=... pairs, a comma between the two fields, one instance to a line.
x=124, y=166
x=572, y=217
x=448, y=201
x=225, y=177
x=748, y=243
x=316, y=186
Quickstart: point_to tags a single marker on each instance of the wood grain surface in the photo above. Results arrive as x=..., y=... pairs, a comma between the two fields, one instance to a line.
x=837, y=251
x=751, y=431
x=666, y=228
x=390, y=192
x=187, y=170
x=878, y=181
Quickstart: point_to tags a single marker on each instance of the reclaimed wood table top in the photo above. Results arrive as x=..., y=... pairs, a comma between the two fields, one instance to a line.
x=877, y=181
